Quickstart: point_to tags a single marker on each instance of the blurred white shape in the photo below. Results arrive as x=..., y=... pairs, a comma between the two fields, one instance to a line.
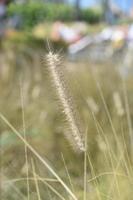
x=92, y=105
x=130, y=33
x=118, y=35
x=118, y=104
x=79, y=45
x=106, y=33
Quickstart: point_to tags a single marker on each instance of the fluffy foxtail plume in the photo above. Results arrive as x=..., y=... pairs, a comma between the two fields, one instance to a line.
x=53, y=62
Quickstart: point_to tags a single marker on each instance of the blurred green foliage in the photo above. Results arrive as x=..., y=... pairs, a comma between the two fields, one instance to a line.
x=91, y=15
x=33, y=13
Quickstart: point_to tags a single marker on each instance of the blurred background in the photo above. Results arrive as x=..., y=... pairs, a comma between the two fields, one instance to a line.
x=94, y=39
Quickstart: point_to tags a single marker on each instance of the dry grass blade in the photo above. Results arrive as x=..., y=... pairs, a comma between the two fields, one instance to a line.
x=67, y=172
x=128, y=117
x=39, y=157
x=51, y=188
x=105, y=174
x=93, y=174
x=85, y=168
x=30, y=179
x=24, y=132
x=36, y=181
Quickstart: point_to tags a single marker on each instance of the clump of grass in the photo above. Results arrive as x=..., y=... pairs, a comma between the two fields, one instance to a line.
x=107, y=168
x=53, y=62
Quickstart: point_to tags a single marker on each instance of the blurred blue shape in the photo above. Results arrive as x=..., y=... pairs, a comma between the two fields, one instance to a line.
x=125, y=5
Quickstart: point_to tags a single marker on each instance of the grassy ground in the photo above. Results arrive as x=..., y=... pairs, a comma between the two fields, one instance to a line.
x=28, y=104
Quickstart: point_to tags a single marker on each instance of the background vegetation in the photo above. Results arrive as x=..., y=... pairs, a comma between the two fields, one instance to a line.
x=29, y=108
x=25, y=87
x=35, y=12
